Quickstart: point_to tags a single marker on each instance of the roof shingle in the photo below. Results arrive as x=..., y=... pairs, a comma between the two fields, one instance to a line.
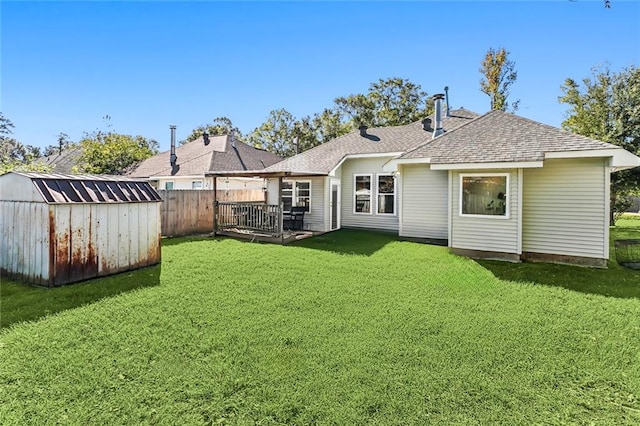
x=323, y=158
x=498, y=136
x=195, y=159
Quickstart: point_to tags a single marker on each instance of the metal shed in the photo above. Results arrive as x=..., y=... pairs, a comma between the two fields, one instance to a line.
x=58, y=229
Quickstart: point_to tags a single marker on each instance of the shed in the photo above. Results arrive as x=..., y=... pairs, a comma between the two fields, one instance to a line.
x=57, y=229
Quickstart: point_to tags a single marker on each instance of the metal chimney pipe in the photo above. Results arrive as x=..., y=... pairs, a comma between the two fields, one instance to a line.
x=446, y=94
x=438, y=114
x=173, y=159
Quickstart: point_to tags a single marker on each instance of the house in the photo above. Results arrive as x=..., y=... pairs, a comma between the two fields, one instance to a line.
x=491, y=186
x=64, y=161
x=196, y=158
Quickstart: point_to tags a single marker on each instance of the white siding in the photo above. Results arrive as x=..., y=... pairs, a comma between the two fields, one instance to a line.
x=424, y=210
x=371, y=221
x=222, y=183
x=565, y=208
x=314, y=220
x=486, y=233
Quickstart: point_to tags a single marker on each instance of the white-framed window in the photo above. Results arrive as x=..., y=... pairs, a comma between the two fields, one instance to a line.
x=168, y=184
x=196, y=184
x=386, y=194
x=296, y=193
x=484, y=194
x=362, y=191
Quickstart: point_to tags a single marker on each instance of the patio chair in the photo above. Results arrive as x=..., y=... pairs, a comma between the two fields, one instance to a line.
x=294, y=220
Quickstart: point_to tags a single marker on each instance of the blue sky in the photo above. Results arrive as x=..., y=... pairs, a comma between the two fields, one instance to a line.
x=146, y=64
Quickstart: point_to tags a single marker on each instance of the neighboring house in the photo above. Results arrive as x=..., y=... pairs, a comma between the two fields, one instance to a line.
x=195, y=159
x=493, y=186
x=63, y=162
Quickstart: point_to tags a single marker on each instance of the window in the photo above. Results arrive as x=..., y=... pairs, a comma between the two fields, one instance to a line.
x=484, y=195
x=386, y=194
x=296, y=194
x=168, y=185
x=196, y=184
x=362, y=194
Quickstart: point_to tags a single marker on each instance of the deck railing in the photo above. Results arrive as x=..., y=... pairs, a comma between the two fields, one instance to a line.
x=249, y=216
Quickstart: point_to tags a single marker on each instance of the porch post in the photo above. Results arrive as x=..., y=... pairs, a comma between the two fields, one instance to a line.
x=215, y=204
x=280, y=212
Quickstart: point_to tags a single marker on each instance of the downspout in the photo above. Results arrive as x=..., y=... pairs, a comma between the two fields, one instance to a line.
x=215, y=205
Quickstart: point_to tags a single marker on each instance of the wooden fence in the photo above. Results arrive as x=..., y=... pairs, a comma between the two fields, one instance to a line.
x=186, y=212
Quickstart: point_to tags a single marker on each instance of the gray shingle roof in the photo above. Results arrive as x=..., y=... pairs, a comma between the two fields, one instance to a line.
x=498, y=136
x=63, y=162
x=195, y=159
x=323, y=158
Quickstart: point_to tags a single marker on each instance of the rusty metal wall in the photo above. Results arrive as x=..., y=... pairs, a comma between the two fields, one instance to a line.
x=56, y=244
x=93, y=240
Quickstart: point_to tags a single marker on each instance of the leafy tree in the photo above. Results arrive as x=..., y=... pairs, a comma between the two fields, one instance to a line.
x=113, y=153
x=498, y=75
x=15, y=155
x=64, y=143
x=6, y=126
x=397, y=101
x=329, y=124
x=607, y=107
x=276, y=134
x=359, y=108
x=220, y=126
x=391, y=102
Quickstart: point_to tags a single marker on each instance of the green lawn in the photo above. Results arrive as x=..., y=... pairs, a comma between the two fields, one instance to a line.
x=344, y=328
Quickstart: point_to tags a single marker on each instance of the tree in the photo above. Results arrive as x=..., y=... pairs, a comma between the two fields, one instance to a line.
x=113, y=153
x=64, y=143
x=391, y=102
x=276, y=134
x=15, y=155
x=220, y=126
x=498, y=75
x=359, y=108
x=607, y=107
x=5, y=126
x=329, y=124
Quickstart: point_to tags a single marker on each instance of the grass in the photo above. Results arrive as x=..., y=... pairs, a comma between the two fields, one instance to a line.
x=344, y=328
x=616, y=280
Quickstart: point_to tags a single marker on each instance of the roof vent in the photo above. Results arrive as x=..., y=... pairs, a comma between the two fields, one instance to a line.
x=205, y=137
x=446, y=95
x=232, y=137
x=363, y=130
x=438, y=114
x=173, y=158
x=426, y=125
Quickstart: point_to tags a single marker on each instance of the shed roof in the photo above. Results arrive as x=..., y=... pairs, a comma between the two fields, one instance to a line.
x=60, y=188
